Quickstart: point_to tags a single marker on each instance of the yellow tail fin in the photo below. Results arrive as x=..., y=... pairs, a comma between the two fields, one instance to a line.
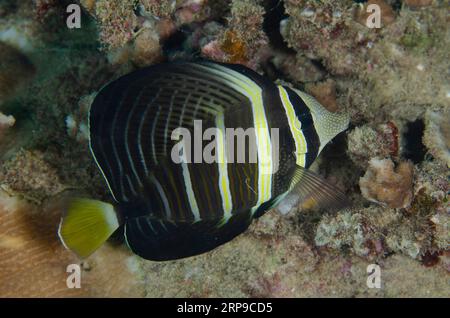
x=87, y=225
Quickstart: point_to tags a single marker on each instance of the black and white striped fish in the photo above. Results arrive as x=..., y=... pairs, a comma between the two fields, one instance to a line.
x=171, y=210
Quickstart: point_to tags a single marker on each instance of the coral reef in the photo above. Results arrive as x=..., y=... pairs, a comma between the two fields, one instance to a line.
x=392, y=162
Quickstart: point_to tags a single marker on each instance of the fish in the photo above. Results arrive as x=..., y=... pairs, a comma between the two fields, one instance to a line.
x=171, y=209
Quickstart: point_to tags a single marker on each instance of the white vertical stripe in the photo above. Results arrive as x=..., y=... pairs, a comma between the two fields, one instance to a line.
x=127, y=125
x=190, y=191
x=162, y=195
x=166, y=129
x=186, y=175
x=141, y=126
x=113, y=144
x=155, y=121
x=224, y=184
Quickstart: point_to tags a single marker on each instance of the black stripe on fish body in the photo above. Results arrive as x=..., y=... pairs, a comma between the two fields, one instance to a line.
x=143, y=126
x=276, y=119
x=205, y=183
x=286, y=163
x=313, y=142
x=163, y=197
x=285, y=156
x=243, y=185
x=171, y=178
x=243, y=176
x=303, y=113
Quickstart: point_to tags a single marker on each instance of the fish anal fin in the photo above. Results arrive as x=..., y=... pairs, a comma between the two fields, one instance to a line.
x=162, y=240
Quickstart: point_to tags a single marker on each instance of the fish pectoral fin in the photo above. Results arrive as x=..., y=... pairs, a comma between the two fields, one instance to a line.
x=86, y=225
x=309, y=190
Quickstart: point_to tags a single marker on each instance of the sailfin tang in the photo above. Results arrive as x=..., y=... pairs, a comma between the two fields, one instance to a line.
x=86, y=225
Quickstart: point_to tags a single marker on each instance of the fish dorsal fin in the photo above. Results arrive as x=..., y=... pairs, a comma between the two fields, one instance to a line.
x=309, y=190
